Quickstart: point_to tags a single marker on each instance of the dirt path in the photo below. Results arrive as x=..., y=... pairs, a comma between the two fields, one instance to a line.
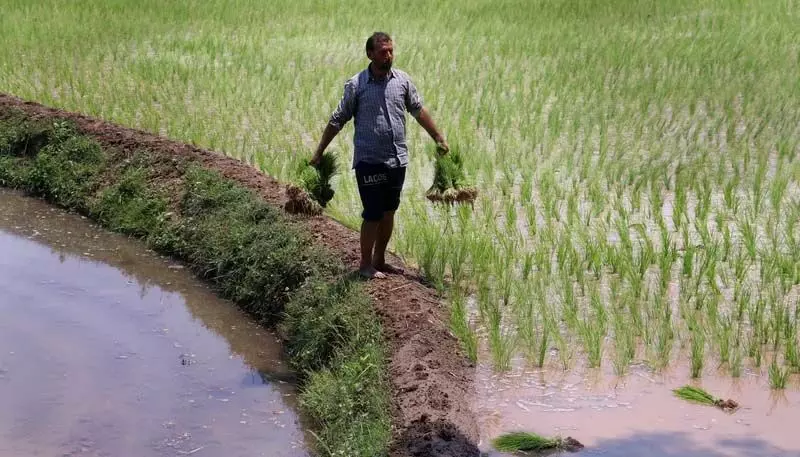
x=431, y=379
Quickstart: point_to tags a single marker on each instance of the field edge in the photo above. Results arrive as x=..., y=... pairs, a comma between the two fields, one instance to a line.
x=411, y=381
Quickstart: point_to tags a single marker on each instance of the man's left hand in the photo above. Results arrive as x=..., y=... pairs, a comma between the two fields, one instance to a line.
x=442, y=147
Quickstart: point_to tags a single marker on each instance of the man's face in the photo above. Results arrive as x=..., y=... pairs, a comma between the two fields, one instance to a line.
x=382, y=56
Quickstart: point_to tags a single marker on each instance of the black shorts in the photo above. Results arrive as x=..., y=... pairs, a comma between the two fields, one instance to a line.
x=379, y=187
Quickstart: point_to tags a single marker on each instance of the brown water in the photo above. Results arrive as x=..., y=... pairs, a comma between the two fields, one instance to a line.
x=109, y=350
x=637, y=415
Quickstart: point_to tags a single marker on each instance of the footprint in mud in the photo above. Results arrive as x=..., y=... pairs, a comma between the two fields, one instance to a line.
x=420, y=372
x=438, y=400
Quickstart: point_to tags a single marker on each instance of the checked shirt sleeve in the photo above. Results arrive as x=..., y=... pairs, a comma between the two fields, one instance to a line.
x=413, y=99
x=344, y=112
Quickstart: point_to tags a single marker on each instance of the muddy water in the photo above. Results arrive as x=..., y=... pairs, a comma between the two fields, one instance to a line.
x=637, y=415
x=108, y=350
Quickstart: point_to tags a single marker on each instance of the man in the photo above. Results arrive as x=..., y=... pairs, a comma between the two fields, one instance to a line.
x=377, y=99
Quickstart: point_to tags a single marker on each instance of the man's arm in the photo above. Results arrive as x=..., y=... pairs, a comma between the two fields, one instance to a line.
x=426, y=121
x=344, y=112
x=327, y=136
x=420, y=113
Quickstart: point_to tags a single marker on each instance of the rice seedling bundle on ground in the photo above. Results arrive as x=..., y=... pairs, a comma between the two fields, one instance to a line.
x=698, y=395
x=531, y=442
x=449, y=180
x=313, y=190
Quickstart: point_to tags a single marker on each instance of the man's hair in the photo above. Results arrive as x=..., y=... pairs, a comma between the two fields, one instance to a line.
x=377, y=37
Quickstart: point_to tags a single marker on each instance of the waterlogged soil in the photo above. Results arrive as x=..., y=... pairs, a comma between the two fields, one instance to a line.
x=638, y=414
x=109, y=350
x=430, y=377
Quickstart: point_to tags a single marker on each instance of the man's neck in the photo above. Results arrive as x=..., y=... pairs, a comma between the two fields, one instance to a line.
x=377, y=74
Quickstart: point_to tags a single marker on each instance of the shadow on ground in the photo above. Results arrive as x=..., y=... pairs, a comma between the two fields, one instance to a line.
x=434, y=439
x=682, y=445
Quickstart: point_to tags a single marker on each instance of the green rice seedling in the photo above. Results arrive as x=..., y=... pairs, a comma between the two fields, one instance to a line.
x=592, y=333
x=704, y=202
x=566, y=349
x=730, y=196
x=624, y=342
x=485, y=296
x=530, y=217
x=664, y=343
x=656, y=201
x=597, y=197
x=700, y=396
x=726, y=243
x=511, y=215
x=679, y=205
x=527, y=265
x=698, y=344
x=724, y=334
x=531, y=442
x=789, y=232
x=754, y=347
x=459, y=323
x=702, y=229
x=736, y=361
x=665, y=260
x=457, y=259
x=748, y=230
x=792, y=351
x=572, y=210
x=544, y=343
x=569, y=303
x=527, y=326
x=501, y=343
x=526, y=187
x=740, y=266
x=433, y=260
x=778, y=375
x=758, y=183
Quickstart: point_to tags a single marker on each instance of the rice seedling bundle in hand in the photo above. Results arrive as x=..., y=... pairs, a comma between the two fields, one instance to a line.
x=449, y=180
x=698, y=395
x=524, y=441
x=313, y=190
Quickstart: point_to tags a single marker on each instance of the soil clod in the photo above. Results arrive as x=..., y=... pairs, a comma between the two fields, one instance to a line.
x=299, y=202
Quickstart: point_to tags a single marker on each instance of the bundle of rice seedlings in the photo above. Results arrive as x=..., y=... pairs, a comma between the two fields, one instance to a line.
x=700, y=396
x=313, y=190
x=449, y=180
x=524, y=442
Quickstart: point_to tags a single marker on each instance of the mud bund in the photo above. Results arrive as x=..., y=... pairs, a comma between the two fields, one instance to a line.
x=379, y=372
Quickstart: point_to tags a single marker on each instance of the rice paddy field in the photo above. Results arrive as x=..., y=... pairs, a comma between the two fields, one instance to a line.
x=637, y=161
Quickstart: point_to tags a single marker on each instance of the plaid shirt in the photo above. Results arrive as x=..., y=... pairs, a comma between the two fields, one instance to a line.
x=378, y=106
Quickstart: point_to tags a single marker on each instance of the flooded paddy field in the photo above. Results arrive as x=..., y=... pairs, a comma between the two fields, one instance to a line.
x=109, y=350
x=638, y=415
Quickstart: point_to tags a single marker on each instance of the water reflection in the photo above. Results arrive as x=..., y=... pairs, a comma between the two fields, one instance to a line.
x=106, y=349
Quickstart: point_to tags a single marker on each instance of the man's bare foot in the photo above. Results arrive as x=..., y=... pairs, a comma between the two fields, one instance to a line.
x=388, y=268
x=371, y=273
